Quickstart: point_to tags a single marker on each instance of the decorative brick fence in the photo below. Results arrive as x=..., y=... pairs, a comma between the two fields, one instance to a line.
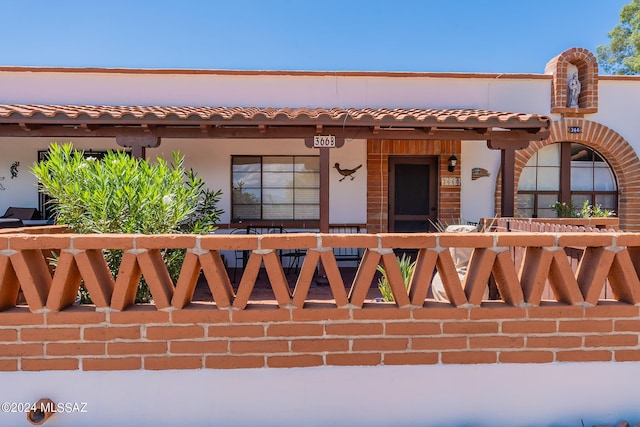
x=52, y=332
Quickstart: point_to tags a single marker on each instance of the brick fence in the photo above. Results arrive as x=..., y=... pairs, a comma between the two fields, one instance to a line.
x=50, y=331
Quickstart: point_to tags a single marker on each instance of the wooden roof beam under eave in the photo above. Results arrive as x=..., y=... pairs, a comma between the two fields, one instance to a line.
x=273, y=132
x=29, y=127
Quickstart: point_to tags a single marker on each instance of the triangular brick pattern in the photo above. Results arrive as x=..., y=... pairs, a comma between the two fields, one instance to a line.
x=605, y=259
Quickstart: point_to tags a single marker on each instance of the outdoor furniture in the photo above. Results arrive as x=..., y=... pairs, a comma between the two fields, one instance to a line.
x=22, y=213
x=294, y=256
x=346, y=254
x=241, y=255
x=10, y=223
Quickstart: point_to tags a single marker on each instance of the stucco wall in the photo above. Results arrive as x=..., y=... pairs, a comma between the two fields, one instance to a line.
x=22, y=190
x=522, y=93
x=562, y=394
x=408, y=91
x=210, y=158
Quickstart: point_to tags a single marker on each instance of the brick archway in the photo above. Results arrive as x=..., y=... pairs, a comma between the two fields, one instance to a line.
x=623, y=160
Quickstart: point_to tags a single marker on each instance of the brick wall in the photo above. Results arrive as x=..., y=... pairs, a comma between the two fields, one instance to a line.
x=199, y=338
x=378, y=152
x=231, y=331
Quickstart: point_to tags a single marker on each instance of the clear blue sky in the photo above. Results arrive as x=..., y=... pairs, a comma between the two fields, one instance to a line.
x=515, y=36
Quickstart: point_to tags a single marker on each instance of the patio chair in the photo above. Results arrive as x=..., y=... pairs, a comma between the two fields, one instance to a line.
x=241, y=255
x=22, y=213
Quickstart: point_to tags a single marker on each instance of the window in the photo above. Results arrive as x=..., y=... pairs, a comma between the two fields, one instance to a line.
x=275, y=187
x=565, y=171
x=44, y=201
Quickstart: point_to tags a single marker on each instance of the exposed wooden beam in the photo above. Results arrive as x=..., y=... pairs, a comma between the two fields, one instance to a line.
x=318, y=129
x=148, y=128
x=324, y=189
x=507, y=143
x=274, y=132
x=88, y=128
x=507, y=167
x=28, y=127
x=262, y=129
x=236, y=120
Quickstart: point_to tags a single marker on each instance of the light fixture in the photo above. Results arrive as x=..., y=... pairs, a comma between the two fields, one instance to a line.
x=453, y=161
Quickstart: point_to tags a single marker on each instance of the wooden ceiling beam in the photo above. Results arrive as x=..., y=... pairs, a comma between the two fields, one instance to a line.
x=28, y=127
x=273, y=132
x=89, y=128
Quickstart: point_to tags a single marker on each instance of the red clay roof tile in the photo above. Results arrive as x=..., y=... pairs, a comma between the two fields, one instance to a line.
x=355, y=116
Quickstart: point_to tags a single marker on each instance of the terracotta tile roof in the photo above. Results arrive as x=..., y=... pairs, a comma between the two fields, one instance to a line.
x=14, y=113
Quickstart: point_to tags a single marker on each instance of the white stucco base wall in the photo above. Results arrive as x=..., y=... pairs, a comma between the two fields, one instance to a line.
x=559, y=394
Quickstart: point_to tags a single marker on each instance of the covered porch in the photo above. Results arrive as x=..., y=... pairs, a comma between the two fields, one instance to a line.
x=436, y=133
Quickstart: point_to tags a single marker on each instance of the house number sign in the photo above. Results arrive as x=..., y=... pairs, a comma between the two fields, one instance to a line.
x=324, y=141
x=575, y=129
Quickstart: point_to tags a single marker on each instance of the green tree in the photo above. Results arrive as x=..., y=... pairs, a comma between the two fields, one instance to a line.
x=622, y=56
x=122, y=194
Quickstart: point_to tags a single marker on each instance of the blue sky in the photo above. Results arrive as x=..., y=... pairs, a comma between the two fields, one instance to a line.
x=514, y=36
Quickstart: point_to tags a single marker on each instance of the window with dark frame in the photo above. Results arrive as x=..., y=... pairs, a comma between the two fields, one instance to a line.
x=565, y=171
x=44, y=201
x=275, y=188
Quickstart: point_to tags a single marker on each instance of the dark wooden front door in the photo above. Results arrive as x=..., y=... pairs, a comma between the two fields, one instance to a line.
x=413, y=193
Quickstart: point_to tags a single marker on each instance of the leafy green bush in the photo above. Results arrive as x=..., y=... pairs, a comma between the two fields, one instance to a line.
x=569, y=210
x=122, y=194
x=406, y=269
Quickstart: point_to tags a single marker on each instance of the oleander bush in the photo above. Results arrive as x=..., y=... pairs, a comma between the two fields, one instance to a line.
x=123, y=194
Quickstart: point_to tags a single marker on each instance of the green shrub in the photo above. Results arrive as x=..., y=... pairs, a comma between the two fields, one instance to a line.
x=122, y=194
x=569, y=210
x=406, y=269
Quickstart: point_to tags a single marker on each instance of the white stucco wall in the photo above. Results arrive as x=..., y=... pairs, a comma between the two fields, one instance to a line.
x=210, y=158
x=476, y=196
x=619, y=110
x=529, y=94
x=22, y=190
x=558, y=394
x=415, y=91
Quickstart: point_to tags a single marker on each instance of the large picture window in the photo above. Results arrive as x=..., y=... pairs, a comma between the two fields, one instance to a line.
x=275, y=187
x=565, y=171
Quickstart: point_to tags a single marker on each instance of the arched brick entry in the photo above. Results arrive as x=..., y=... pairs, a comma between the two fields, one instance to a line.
x=621, y=157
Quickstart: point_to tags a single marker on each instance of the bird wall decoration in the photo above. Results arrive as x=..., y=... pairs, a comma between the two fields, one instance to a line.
x=14, y=169
x=346, y=172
